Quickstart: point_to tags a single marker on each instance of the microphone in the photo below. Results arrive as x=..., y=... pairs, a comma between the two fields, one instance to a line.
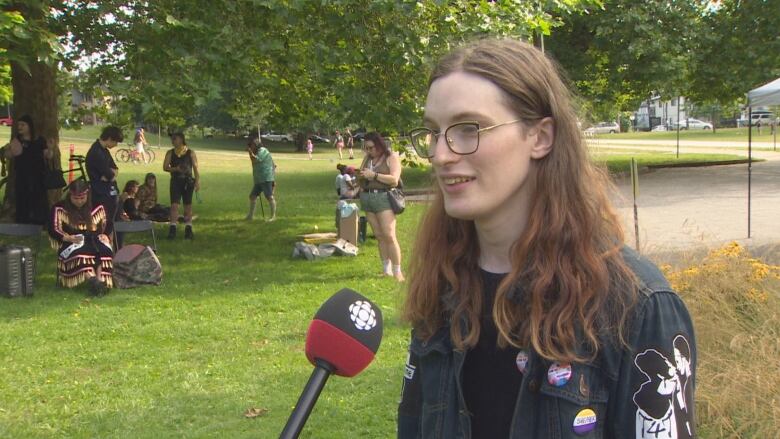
x=342, y=339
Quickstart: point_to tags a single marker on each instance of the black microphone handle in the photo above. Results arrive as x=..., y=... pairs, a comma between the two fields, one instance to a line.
x=307, y=400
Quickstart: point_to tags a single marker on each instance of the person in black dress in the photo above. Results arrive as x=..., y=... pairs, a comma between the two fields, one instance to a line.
x=29, y=153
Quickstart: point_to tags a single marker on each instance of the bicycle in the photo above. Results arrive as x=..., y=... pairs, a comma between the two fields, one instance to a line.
x=129, y=153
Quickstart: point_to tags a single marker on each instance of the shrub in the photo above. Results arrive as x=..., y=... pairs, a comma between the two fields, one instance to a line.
x=733, y=299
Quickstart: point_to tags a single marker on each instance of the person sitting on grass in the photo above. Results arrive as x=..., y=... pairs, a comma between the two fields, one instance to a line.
x=348, y=188
x=341, y=167
x=147, y=200
x=84, y=251
x=129, y=202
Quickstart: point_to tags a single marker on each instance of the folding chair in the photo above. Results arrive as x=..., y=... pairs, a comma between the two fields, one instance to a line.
x=24, y=230
x=136, y=226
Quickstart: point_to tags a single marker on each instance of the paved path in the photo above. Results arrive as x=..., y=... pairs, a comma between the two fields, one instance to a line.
x=701, y=207
x=687, y=209
x=682, y=208
x=683, y=143
x=762, y=150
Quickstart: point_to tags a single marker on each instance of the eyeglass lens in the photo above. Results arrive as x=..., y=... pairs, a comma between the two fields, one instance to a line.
x=461, y=138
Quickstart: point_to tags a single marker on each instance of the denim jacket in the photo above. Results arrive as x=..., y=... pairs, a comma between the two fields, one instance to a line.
x=645, y=391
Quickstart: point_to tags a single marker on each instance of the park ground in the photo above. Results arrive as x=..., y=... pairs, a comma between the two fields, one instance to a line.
x=224, y=333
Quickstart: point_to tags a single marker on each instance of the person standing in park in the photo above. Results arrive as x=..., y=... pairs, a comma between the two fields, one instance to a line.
x=338, y=142
x=102, y=172
x=140, y=142
x=182, y=163
x=350, y=143
x=309, y=147
x=29, y=154
x=263, y=174
x=530, y=316
x=381, y=171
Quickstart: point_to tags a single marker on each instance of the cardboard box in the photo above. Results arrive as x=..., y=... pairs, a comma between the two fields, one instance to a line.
x=348, y=228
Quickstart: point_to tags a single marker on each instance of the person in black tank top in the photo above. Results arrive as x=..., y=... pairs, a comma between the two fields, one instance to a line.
x=182, y=163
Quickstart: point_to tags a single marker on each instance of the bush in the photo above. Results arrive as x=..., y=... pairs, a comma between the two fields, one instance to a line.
x=733, y=299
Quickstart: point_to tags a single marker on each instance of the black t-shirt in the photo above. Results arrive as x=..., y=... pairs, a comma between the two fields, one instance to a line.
x=100, y=164
x=491, y=378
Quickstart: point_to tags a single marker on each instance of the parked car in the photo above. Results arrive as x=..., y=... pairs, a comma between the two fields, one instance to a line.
x=275, y=137
x=359, y=136
x=604, y=128
x=661, y=127
x=318, y=139
x=766, y=119
x=693, y=124
x=6, y=121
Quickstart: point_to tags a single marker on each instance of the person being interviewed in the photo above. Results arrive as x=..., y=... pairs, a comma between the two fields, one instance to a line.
x=530, y=317
x=380, y=171
x=78, y=232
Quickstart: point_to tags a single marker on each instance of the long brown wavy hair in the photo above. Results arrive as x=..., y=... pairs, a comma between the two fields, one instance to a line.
x=569, y=290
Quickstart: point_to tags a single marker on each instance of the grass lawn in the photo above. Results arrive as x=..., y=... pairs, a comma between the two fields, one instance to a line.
x=721, y=134
x=621, y=162
x=223, y=333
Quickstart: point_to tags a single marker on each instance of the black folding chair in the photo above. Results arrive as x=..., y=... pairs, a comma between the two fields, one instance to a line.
x=136, y=226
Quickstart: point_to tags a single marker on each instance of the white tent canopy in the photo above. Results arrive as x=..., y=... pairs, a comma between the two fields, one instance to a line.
x=767, y=94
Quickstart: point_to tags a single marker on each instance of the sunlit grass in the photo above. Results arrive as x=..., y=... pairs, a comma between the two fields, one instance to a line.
x=225, y=330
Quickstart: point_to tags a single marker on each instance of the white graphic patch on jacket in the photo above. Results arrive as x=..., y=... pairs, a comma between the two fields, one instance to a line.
x=663, y=401
x=410, y=368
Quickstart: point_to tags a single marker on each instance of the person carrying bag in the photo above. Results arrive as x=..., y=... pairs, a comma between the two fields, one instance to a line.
x=380, y=175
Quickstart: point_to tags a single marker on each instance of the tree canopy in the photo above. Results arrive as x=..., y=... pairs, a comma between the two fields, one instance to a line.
x=287, y=64
x=303, y=65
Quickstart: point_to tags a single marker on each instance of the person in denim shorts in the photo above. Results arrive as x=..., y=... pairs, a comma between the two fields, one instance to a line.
x=380, y=171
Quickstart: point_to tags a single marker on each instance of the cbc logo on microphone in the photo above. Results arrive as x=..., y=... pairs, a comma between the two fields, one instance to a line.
x=362, y=315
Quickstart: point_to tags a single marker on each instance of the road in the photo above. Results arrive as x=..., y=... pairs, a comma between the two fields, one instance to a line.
x=687, y=208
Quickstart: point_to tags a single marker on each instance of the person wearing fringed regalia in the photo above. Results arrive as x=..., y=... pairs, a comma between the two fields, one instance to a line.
x=78, y=232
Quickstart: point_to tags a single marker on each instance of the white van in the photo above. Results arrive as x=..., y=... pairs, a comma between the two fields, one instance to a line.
x=765, y=118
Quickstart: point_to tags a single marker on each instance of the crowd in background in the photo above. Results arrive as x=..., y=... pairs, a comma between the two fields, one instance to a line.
x=81, y=225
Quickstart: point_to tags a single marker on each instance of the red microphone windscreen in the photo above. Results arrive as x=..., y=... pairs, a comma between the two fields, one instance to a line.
x=327, y=342
x=345, y=333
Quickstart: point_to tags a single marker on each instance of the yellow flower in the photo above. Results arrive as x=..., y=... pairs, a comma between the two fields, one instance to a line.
x=757, y=296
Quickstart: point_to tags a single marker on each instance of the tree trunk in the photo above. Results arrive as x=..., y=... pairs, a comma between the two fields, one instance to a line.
x=715, y=122
x=35, y=94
